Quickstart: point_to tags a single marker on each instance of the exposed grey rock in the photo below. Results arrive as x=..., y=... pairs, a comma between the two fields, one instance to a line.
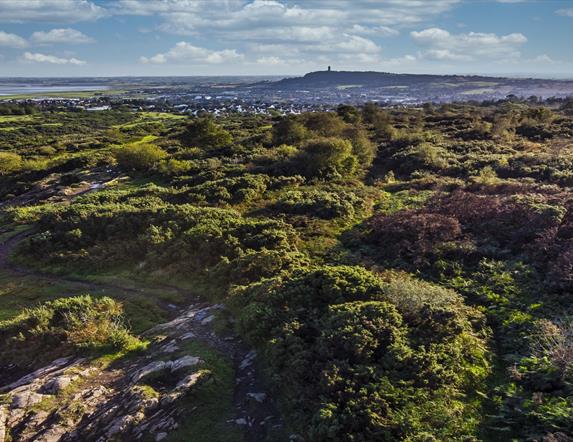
x=112, y=406
x=53, y=434
x=55, y=366
x=26, y=399
x=188, y=381
x=58, y=384
x=185, y=361
x=259, y=397
x=208, y=319
x=186, y=336
x=170, y=347
x=152, y=367
x=248, y=360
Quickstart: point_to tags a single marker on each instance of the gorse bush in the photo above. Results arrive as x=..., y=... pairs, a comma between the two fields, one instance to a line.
x=139, y=156
x=324, y=124
x=326, y=158
x=230, y=190
x=64, y=326
x=305, y=226
x=289, y=131
x=352, y=354
x=9, y=162
x=206, y=134
x=319, y=203
x=212, y=244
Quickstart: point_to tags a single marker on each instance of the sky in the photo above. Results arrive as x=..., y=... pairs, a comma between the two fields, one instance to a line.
x=284, y=37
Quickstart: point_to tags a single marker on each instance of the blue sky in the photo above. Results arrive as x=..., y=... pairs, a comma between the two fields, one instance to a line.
x=249, y=37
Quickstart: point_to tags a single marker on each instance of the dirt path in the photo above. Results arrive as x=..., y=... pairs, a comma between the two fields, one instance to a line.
x=7, y=248
x=111, y=403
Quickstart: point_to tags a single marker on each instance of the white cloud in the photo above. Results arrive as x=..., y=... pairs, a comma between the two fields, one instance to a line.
x=184, y=52
x=356, y=44
x=568, y=12
x=270, y=60
x=442, y=45
x=12, y=40
x=544, y=59
x=430, y=35
x=446, y=54
x=381, y=31
x=57, y=11
x=189, y=17
x=146, y=7
x=52, y=59
x=61, y=35
x=292, y=30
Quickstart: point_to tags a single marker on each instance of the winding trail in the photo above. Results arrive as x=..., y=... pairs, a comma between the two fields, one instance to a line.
x=110, y=403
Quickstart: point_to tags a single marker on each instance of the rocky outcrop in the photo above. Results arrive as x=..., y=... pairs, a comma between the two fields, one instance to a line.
x=72, y=400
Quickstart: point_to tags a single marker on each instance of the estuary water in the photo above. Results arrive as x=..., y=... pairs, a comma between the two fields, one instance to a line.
x=34, y=89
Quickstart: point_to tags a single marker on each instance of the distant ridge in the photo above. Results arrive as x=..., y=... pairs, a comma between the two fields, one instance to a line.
x=372, y=79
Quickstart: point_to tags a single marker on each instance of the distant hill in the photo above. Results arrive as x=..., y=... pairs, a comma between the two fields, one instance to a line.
x=371, y=79
x=339, y=86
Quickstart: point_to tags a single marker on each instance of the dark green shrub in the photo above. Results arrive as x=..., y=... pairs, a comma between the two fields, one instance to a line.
x=206, y=134
x=355, y=356
x=319, y=203
x=288, y=131
x=139, y=156
x=326, y=158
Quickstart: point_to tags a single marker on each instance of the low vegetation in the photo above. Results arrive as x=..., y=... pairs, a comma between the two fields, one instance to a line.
x=405, y=272
x=64, y=327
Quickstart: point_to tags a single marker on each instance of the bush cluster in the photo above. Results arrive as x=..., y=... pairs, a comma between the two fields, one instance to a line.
x=360, y=358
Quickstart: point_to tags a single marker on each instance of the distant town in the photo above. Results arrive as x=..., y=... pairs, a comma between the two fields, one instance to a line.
x=315, y=91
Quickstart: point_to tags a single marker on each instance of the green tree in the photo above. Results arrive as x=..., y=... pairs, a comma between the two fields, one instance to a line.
x=139, y=156
x=379, y=120
x=349, y=113
x=325, y=124
x=362, y=147
x=288, y=131
x=205, y=133
x=327, y=158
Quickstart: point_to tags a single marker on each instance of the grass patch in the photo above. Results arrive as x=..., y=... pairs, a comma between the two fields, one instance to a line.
x=208, y=407
x=15, y=118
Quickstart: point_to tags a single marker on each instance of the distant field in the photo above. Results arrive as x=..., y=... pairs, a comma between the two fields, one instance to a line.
x=347, y=86
x=478, y=91
x=69, y=94
x=481, y=83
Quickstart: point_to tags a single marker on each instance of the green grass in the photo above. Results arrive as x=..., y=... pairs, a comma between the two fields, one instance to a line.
x=142, y=307
x=150, y=117
x=392, y=202
x=208, y=407
x=15, y=118
x=161, y=116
